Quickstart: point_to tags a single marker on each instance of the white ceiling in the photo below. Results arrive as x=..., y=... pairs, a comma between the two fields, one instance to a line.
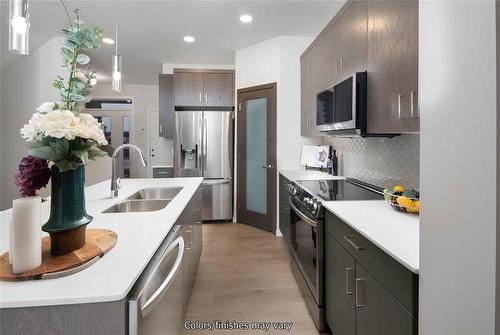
x=151, y=32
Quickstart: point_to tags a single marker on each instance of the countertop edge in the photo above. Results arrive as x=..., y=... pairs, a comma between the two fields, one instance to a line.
x=378, y=244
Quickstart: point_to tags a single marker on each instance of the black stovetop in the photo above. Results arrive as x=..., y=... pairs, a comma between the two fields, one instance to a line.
x=339, y=189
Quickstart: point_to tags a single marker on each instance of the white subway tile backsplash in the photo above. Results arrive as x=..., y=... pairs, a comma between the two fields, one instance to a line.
x=380, y=161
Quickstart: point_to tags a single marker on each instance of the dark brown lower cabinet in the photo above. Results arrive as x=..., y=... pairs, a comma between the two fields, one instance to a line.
x=361, y=286
x=340, y=289
x=377, y=311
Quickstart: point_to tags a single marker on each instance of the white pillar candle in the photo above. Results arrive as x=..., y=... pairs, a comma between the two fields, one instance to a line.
x=26, y=234
x=11, y=242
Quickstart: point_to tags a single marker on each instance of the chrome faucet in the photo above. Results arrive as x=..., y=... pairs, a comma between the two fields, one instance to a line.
x=115, y=182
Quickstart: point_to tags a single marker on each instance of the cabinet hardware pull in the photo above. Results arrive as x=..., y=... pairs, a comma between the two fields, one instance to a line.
x=161, y=128
x=399, y=106
x=336, y=70
x=341, y=66
x=413, y=99
x=200, y=97
x=359, y=303
x=348, y=272
x=351, y=242
x=206, y=97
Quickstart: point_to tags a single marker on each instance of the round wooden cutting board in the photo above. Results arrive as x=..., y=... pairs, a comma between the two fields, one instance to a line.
x=98, y=243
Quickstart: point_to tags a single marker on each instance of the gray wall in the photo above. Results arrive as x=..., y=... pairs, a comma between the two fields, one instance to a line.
x=458, y=173
x=24, y=87
x=384, y=162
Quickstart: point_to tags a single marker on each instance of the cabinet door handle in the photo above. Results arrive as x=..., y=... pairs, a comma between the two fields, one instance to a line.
x=399, y=106
x=354, y=244
x=161, y=129
x=200, y=97
x=360, y=293
x=348, y=276
x=413, y=108
x=206, y=97
x=341, y=66
x=336, y=70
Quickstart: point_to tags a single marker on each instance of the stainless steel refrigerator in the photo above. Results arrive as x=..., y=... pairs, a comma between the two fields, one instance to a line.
x=203, y=147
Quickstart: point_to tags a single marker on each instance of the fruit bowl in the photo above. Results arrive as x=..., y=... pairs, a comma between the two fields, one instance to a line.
x=403, y=202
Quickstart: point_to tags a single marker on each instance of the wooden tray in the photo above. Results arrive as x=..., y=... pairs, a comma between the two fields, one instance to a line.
x=98, y=243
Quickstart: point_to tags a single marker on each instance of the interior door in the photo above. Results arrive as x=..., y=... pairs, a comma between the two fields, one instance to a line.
x=160, y=148
x=118, y=128
x=256, y=164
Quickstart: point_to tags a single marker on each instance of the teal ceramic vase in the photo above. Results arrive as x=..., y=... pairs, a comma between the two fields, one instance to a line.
x=68, y=217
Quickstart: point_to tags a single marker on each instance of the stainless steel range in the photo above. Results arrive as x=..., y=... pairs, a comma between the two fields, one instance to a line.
x=306, y=238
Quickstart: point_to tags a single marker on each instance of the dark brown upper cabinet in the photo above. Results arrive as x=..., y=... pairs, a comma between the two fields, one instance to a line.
x=392, y=65
x=188, y=88
x=219, y=89
x=166, y=104
x=195, y=88
x=377, y=36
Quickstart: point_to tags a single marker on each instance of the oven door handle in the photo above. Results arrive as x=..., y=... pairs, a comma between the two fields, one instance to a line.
x=309, y=221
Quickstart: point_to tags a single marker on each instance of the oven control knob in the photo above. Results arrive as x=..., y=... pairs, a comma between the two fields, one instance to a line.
x=294, y=190
x=315, y=205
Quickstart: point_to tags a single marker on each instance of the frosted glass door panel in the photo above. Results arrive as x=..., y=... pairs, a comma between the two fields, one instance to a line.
x=256, y=152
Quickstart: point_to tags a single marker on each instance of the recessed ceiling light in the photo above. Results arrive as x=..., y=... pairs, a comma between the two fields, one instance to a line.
x=108, y=40
x=245, y=18
x=189, y=39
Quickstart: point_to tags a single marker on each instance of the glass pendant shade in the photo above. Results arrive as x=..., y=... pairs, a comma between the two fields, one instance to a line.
x=19, y=27
x=117, y=73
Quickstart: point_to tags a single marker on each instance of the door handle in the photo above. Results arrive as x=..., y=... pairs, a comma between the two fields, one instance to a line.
x=360, y=296
x=348, y=276
x=154, y=299
x=267, y=166
x=413, y=100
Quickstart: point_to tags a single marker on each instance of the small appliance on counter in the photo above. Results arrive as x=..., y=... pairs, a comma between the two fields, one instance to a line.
x=307, y=226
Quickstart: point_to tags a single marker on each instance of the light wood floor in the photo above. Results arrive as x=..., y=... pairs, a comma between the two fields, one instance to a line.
x=244, y=275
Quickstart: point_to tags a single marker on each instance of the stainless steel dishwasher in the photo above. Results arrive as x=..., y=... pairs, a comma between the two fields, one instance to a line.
x=157, y=300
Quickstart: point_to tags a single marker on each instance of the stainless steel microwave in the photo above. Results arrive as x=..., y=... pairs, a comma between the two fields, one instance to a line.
x=341, y=109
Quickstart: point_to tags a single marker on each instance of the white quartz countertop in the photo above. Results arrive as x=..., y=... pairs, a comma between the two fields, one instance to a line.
x=294, y=175
x=394, y=232
x=112, y=277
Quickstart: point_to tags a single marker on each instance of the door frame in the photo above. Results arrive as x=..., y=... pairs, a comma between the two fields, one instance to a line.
x=272, y=150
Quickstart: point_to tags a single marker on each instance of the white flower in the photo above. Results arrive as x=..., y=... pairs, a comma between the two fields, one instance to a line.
x=46, y=107
x=90, y=128
x=64, y=124
x=59, y=124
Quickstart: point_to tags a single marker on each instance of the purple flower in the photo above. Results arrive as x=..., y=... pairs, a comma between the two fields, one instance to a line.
x=34, y=173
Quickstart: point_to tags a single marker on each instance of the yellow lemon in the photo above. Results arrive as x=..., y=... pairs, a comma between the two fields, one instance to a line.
x=399, y=188
x=405, y=201
x=414, y=208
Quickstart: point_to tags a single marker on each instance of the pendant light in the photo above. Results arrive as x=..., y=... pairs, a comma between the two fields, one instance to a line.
x=117, y=62
x=19, y=27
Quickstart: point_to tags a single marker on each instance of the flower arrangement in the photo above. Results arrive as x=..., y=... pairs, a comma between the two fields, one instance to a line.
x=58, y=132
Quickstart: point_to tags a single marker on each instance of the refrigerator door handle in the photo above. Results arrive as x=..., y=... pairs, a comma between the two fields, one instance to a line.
x=205, y=141
x=215, y=181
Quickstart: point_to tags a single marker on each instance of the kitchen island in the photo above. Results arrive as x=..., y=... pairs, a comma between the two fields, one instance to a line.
x=102, y=288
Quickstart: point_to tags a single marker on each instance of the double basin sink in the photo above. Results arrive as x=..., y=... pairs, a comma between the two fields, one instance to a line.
x=146, y=200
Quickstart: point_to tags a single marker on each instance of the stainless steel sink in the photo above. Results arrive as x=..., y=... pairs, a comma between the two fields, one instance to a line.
x=165, y=193
x=128, y=206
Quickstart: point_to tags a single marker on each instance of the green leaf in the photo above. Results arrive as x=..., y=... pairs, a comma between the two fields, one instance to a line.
x=46, y=152
x=65, y=164
x=82, y=59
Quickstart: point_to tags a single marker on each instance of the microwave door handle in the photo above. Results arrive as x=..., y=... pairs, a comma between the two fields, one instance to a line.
x=155, y=298
x=312, y=223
